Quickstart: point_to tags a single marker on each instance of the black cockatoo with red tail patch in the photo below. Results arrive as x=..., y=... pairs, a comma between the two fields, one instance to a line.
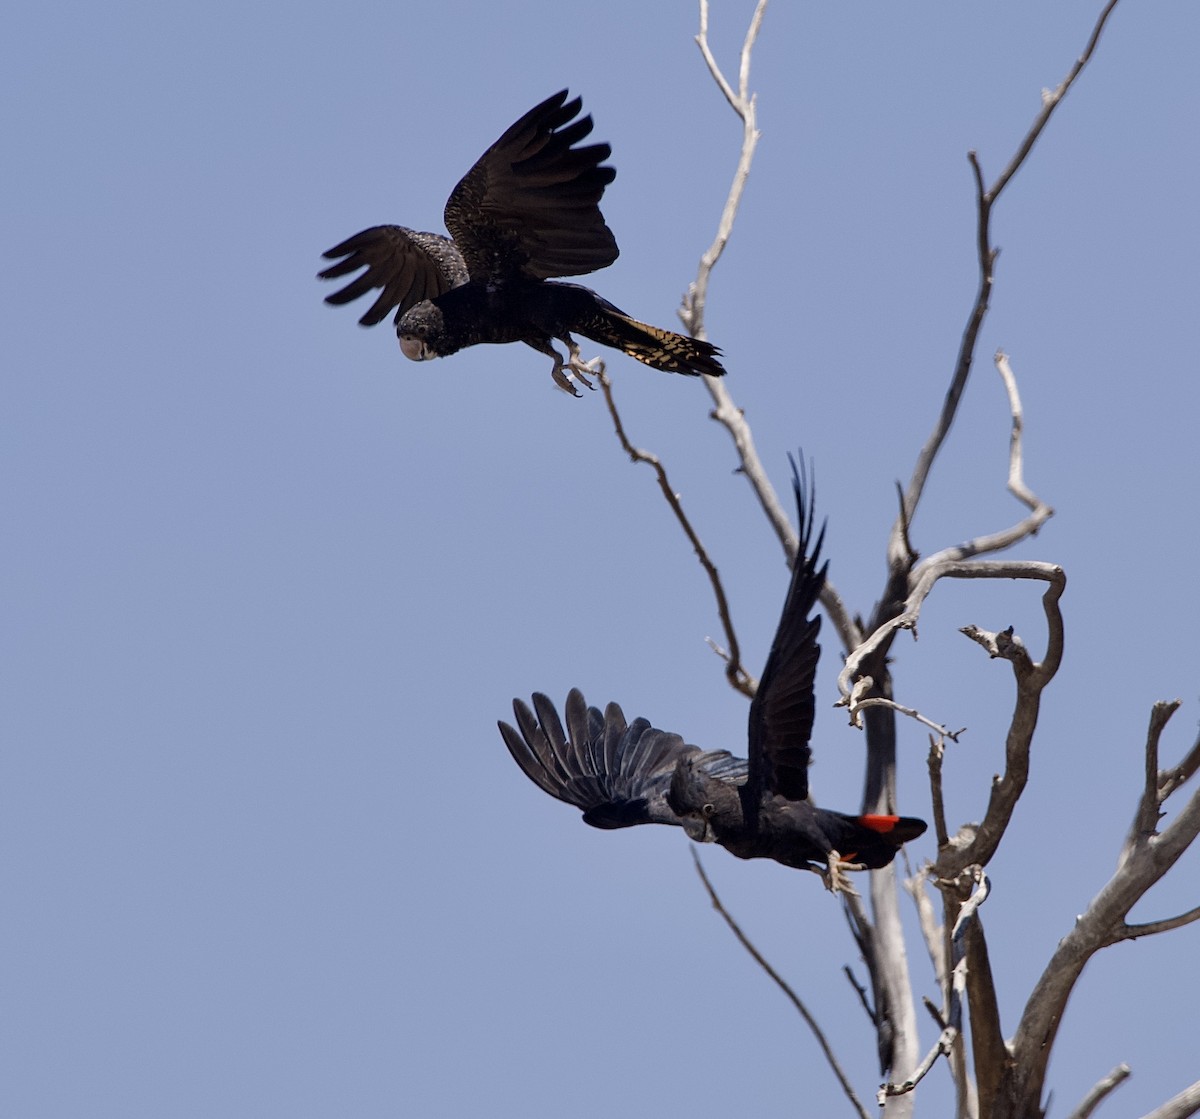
x=621, y=774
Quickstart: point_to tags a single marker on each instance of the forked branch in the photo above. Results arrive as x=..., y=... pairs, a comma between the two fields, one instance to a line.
x=985, y=199
x=1143, y=863
x=1039, y=511
x=908, y=617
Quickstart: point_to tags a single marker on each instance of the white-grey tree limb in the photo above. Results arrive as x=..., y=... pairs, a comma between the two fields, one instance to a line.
x=993, y=1077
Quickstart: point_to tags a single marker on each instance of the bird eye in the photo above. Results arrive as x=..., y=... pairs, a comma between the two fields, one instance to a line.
x=708, y=810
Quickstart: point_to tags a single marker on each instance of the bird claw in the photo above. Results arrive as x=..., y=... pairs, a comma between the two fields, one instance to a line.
x=562, y=380
x=834, y=875
x=578, y=369
x=574, y=366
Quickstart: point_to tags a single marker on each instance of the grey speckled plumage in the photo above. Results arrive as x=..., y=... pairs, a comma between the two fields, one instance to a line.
x=528, y=210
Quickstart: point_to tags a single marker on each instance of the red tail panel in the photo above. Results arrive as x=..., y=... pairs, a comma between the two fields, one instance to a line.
x=881, y=824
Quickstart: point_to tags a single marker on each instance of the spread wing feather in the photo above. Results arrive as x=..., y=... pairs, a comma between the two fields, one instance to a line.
x=531, y=204
x=406, y=265
x=781, y=714
x=618, y=773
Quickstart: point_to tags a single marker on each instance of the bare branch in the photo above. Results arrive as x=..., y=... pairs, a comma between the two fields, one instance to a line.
x=958, y=382
x=930, y=574
x=1145, y=819
x=988, y=1048
x=942, y=1048
x=1040, y=512
x=934, y=1013
x=1050, y=103
x=937, y=751
x=1180, y=1106
x=1096, y=1096
x=882, y=948
x=1004, y=645
x=899, y=708
x=1149, y=928
x=985, y=200
x=861, y=991
x=734, y=672
x=695, y=300
x=1102, y=924
x=898, y=1034
x=1016, y=458
x=782, y=984
x=1171, y=779
x=743, y=103
x=931, y=930
x=958, y=985
x=978, y=844
x=1152, y=858
x=907, y=586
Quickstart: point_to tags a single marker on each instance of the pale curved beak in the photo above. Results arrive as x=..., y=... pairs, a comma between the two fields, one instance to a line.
x=414, y=349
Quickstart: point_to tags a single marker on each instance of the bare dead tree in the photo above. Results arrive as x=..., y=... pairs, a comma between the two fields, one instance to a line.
x=998, y=1078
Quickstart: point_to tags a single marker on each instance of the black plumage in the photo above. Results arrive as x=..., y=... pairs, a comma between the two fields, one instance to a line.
x=621, y=774
x=527, y=211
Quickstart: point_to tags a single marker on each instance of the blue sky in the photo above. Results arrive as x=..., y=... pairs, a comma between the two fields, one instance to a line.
x=269, y=585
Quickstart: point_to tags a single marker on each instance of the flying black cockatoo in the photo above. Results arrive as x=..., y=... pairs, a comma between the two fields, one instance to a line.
x=528, y=210
x=623, y=774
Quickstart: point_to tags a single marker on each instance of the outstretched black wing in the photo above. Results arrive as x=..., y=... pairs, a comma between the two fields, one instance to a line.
x=531, y=204
x=408, y=265
x=781, y=715
x=617, y=773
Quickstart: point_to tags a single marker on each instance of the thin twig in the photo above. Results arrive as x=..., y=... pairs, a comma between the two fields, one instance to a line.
x=861, y=991
x=1040, y=512
x=1149, y=809
x=899, y=708
x=782, y=984
x=743, y=103
x=1171, y=779
x=1149, y=928
x=695, y=300
x=937, y=944
x=1050, y=102
x=952, y=1018
x=1016, y=457
x=985, y=200
x=897, y=551
x=692, y=315
x=930, y=574
x=734, y=672
x=1100, y=1092
x=937, y=751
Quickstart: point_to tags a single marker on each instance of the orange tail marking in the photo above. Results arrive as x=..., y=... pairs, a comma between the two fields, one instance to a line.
x=881, y=824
